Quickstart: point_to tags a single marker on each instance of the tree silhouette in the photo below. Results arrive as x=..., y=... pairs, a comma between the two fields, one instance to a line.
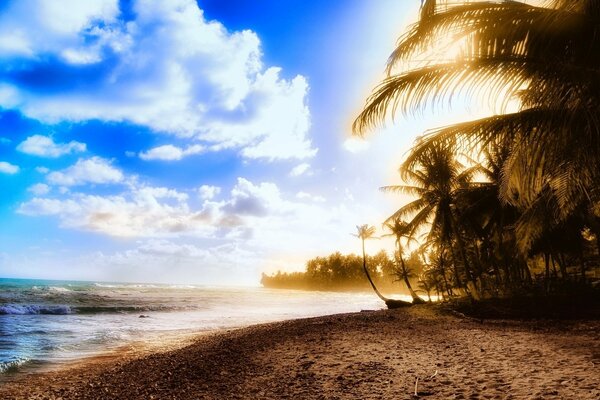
x=401, y=230
x=365, y=232
x=545, y=59
x=435, y=181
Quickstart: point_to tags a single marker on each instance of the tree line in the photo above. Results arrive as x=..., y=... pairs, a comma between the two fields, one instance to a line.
x=344, y=272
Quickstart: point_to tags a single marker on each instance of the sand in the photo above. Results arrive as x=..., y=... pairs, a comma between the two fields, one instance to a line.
x=369, y=355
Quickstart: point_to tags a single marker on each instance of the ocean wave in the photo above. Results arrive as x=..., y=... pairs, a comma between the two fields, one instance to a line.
x=122, y=309
x=142, y=286
x=59, y=289
x=36, y=309
x=12, y=366
x=104, y=285
x=127, y=285
x=33, y=309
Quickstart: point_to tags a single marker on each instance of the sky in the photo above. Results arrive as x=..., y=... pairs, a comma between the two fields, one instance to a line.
x=191, y=142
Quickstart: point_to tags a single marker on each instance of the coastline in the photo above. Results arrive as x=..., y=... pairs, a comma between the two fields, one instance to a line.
x=377, y=354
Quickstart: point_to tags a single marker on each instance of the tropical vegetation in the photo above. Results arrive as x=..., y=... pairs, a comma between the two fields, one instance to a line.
x=339, y=272
x=508, y=203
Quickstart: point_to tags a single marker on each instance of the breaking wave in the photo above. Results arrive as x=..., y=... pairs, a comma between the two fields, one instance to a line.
x=31, y=309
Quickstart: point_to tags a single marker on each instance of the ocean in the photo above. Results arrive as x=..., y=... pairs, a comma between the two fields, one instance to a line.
x=48, y=323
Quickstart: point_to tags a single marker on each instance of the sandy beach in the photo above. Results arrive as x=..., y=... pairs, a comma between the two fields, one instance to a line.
x=368, y=355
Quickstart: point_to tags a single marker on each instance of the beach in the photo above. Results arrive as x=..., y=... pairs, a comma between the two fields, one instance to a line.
x=385, y=354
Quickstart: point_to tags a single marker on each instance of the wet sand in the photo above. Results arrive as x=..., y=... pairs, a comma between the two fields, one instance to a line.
x=369, y=355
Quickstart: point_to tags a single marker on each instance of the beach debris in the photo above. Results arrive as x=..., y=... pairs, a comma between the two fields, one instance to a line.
x=416, y=387
x=144, y=316
x=426, y=393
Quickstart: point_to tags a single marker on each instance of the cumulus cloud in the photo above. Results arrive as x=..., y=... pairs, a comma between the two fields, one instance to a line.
x=208, y=192
x=94, y=170
x=8, y=168
x=39, y=189
x=354, y=145
x=171, y=153
x=253, y=200
x=31, y=27
x=143, y=212
x=252, y=227
x=300, y=169
x=44, y=146
x=168, y=69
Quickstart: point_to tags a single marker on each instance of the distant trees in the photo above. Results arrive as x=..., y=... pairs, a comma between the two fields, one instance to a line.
x=338, y=272
x=509, y=203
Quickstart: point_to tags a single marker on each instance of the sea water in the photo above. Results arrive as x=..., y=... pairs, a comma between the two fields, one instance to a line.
x=46, y=323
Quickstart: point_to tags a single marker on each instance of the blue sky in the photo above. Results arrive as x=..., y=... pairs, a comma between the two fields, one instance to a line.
x=183, y=141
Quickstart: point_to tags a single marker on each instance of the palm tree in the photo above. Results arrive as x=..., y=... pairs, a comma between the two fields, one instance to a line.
x=401, y=230
x=365, y=232
x=546, y=57
x=434, y=182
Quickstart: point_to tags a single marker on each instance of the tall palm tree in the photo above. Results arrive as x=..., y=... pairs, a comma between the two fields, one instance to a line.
x=401, y=230
x=490, y=222
x=435, y=181
x=546, y=56
x=365, y=232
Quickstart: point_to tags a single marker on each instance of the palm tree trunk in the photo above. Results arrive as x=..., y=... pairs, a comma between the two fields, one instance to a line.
x=547, y=265
x=443, y=271
x=416, y=299
x=463, y=254
x=582, y=265
x=382, y=297
x=456, y=273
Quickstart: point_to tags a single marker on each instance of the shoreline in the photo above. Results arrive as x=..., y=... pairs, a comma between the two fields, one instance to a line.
x=378, y=354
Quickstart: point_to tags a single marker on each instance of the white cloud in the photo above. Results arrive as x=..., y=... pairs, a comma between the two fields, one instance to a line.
x=170, y=70
x=354, y=145
x=91, y=170
x=307, y=196
x=187, y=262
x=44, y=146
x=171, y=153
x=39, y=189
x=208, y=192
x=255, y=226
x=145, y=211
x=8, y=168
x=42, y=170
x=31, y=27
x=300, y=169
x=249, y=199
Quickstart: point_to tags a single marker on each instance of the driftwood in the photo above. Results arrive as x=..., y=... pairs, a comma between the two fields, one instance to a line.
x=416, y=394
x=393, y=303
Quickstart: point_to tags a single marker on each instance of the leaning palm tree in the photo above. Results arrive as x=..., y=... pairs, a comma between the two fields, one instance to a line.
x=401, y=230
x=542, y=58
x=364, y=232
